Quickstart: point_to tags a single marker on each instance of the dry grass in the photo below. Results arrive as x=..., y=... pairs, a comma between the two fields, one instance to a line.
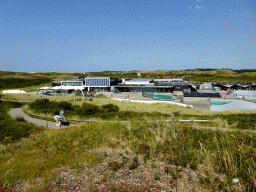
x=132, y=157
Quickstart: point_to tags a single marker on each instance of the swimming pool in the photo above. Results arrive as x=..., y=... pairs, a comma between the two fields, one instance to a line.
x=221, y=102
x=161, y=96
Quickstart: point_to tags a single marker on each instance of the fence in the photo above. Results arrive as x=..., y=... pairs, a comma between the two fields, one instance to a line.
x=180, y=120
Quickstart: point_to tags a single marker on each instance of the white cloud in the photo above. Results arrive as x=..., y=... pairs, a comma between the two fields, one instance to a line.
x=198, y=7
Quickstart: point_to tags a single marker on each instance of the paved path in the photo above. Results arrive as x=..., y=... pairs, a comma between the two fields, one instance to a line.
x=18, y=112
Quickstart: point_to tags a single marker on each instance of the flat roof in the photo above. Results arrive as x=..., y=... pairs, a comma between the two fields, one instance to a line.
x=97, y=77
x=140, y=80
x=143, y=86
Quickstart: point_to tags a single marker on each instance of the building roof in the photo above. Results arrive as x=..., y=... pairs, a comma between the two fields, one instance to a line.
x=140, y=80
x=97, y=77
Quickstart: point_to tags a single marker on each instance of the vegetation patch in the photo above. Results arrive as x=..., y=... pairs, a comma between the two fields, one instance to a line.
x=9, y=83
x=11, y=130
x=220, y=155
x=88, y=110
x=126, y=157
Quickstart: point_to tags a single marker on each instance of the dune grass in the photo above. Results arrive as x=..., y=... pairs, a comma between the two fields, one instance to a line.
x=33, y=97
x=99, y=155
x=13, y=129
x=195, y=75
x=163, y=108
x=215, y=157
x=157, y=111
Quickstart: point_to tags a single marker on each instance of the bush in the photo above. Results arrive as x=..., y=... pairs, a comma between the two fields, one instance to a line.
x=114, y=166
x=88, y=109
x=40, y=104
x=134, y=164
x=101, y=96
x=110, y=108
x=64, y=105
x=20, y=119
x=156, y=176
x=11, y=104
x=11, y=130
x=46, y=106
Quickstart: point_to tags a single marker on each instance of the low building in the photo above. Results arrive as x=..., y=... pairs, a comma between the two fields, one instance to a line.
x=128, y=85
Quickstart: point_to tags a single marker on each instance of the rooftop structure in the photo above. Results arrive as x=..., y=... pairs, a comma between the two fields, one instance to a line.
x=138, y=82
x=169, y=80
x=97, y=81
x=72, y=83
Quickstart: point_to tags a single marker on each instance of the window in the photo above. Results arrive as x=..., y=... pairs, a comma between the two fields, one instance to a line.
x=97, y=82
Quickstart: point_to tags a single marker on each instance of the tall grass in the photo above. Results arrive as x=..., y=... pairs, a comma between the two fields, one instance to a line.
x=158, y=111
x=215, y=157
x=12, y=129
x=33, y=97
x=150, y=150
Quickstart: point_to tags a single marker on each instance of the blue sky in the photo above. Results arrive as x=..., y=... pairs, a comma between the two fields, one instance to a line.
x=121, y=35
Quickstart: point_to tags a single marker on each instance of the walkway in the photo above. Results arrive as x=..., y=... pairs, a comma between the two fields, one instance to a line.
x=18, y=112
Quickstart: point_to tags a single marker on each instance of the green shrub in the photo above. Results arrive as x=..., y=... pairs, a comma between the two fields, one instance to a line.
x=156, y=176
x=20, y=119
x=10, y=104
x=110, y=108
x=193, y=165
x=41, y=104
x=87, y=109
x=64, y=105
x=134, y=164
x=101, y=96
x=114, y=166
x=11, y=130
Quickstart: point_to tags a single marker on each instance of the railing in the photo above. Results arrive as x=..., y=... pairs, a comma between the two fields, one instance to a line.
x=180, y=120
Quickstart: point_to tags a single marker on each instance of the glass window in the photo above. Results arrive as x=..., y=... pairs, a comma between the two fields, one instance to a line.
x=97, y=82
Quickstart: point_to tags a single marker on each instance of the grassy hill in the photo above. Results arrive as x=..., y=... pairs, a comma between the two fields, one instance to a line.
x=128, y=156
x=195, y=75
x=131, y=156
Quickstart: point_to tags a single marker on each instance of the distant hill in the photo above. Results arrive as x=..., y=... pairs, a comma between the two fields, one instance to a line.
x=195, y=75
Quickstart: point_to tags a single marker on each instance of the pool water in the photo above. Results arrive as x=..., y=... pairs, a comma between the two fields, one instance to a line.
x=160, y=96
x=220, y=102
